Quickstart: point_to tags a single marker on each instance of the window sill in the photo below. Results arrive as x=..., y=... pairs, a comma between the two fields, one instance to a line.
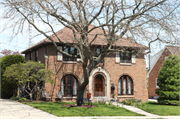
x=126, y=64
x=70, y=62
x=69, y=97
x=125, y=96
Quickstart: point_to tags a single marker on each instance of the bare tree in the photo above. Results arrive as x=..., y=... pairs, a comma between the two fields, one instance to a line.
x=146, y=21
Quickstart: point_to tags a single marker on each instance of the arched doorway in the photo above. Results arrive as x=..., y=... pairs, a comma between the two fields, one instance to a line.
x=99, y=85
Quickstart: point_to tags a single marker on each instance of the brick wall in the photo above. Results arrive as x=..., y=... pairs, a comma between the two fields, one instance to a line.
x=154, y=73
x=136, y=71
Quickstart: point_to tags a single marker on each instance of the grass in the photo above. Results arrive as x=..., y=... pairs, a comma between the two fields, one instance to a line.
x=163, y=110
x=57, y=109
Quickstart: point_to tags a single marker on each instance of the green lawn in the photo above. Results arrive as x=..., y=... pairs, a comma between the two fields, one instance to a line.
x=163, y=110
x=57, y=109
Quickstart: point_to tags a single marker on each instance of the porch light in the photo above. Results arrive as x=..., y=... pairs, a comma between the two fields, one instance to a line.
x=112, y=86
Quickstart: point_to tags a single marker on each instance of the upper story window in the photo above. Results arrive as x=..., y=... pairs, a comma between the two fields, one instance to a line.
x=36, y=55
x=125, y=57
x=98, y=51
x=69, y=50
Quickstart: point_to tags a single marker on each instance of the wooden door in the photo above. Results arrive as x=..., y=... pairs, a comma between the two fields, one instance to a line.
x=98, y=86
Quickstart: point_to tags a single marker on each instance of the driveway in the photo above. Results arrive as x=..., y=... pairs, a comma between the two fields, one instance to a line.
x=15, y=110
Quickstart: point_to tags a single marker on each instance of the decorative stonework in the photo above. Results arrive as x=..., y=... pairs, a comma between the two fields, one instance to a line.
x=107, y=78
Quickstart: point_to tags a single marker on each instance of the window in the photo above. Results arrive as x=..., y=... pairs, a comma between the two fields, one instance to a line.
x=69, y=85
x=156, y=83
x=98, y=51
x=125, y=57
x=165, y=58
x=26, y=57
x=30, y=56
x=69, y=50
x=125, y=86
x=36, y=55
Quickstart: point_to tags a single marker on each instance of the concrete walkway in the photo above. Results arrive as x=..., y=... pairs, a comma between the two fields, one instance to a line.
x=137, y=110
x=14, y=110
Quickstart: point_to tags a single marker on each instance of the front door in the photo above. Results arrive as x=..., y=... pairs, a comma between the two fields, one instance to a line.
x=98, y=86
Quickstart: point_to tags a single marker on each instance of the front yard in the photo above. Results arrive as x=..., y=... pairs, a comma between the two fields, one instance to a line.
x=162, y=110
x=57, y=109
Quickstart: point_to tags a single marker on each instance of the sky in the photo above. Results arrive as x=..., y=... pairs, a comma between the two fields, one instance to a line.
x=21, y=42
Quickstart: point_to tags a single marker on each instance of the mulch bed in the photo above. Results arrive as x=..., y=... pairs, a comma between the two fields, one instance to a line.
x=83, y=106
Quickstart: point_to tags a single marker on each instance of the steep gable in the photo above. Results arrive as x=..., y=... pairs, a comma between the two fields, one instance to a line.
x=174, y=50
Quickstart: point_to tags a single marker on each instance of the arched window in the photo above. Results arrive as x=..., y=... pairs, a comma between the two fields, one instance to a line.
x=69, y=85
x=125, y=85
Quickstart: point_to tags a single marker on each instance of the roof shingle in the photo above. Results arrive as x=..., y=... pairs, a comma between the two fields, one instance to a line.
x=66, y=36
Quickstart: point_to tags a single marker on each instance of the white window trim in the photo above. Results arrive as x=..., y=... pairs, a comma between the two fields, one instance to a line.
x=69, y=62
x=117, y=57
x=126, y=64
x=59, y=55
x=133, y=58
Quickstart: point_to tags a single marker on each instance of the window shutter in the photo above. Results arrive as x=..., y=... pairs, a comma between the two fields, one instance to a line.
x=133, y=58
x=117, y=57
x=78, y=59
x=59, y=55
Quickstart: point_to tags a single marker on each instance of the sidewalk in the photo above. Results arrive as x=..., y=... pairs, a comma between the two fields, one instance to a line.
x=15, y=110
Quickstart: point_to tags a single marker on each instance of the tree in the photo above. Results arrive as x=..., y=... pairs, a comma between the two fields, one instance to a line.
x=8, y=89
x=9, y=52
x=29, y=75
x=168, y=81
x=146, y=21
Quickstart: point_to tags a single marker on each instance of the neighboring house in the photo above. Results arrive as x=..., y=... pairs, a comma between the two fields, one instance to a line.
x=156, y=62
x=126, y=72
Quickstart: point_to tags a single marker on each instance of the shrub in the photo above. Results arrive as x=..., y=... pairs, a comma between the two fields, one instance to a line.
x=17, y=98
x=133, y=102
x=14, y=97
x=9, y=88
x=22, y=99
x=168, y=81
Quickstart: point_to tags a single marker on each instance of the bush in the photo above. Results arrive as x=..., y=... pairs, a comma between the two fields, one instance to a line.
x=168, y=81
x=133, y=102
x=22, y=99
x=17, y=98
x=9, y=88
x=168, y=102
x=14, y=97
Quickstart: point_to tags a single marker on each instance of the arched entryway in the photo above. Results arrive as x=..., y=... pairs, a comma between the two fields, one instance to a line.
x=99, y=85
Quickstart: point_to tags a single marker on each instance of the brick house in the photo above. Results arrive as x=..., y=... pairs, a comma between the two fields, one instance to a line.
x=127, y=73
x=156, y=62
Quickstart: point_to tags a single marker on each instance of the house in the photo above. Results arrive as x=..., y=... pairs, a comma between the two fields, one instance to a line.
x=156, y=62
x=121, y=74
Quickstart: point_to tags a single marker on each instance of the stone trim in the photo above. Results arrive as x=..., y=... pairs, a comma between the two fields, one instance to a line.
x=69, y=97
x=107, y=78
x=125, y=96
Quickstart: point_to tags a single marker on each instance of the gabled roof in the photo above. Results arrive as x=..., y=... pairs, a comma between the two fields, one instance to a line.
x=66, y=35
x=175, y=50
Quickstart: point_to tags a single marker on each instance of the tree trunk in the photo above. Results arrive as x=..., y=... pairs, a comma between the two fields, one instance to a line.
x=82, y=87
x=30, y=95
